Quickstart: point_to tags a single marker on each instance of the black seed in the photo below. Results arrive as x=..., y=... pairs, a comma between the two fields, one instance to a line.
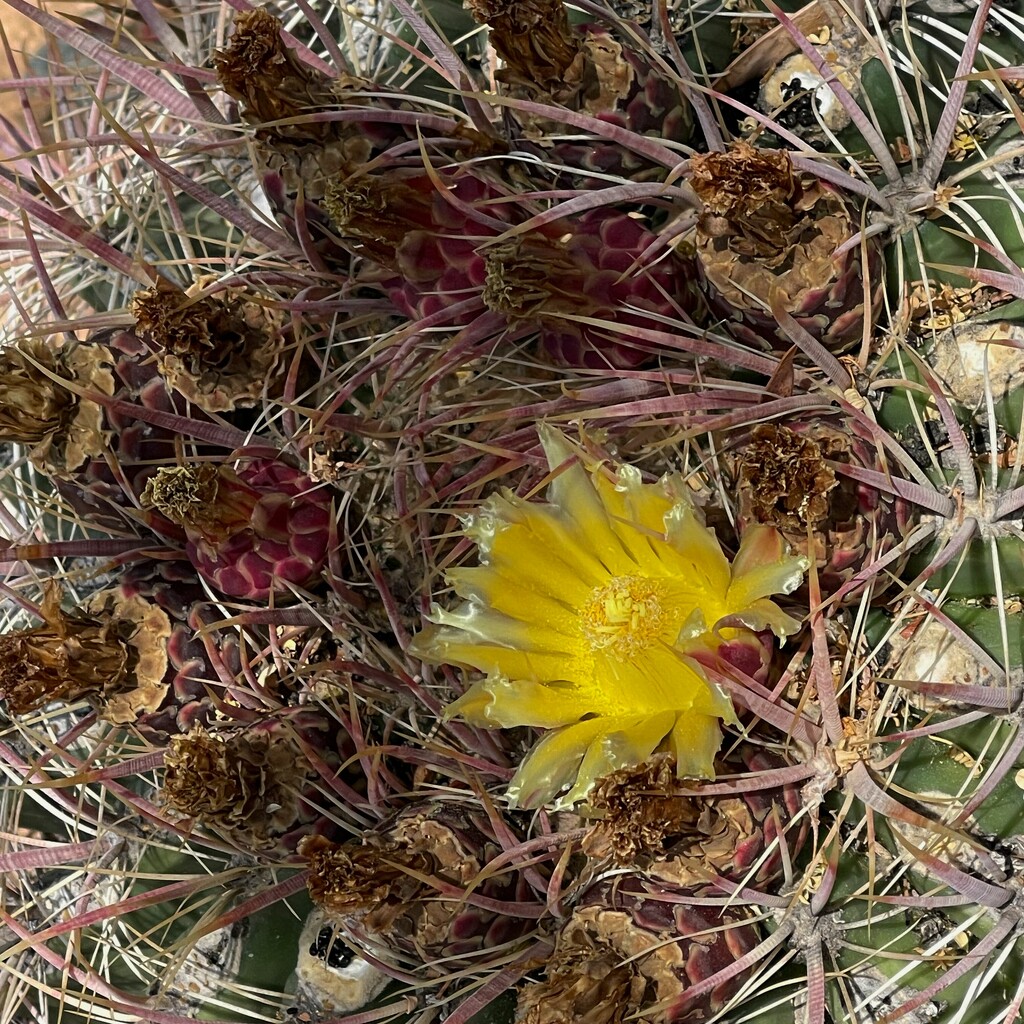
x=330, y=949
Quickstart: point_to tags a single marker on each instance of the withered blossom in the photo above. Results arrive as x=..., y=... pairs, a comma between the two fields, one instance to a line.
x=220, y=349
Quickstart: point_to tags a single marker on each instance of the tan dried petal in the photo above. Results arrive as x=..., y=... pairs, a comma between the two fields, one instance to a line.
x=603, y=970
x=244, y=785
x=638, y=811
x=746, y=184
x=583, y=986
x=89, y=366
x=33, y=408
x=148, y=629
x=614, y=75
x=785, y=479
x=778, y=266
x=348, y=877
x=219, y=350
x=534, y=39
x=66, y=659
x=211, y=501
x=62, y=429
x=268, y=78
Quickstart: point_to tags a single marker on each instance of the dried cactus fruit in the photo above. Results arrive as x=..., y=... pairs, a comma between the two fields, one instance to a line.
x=784, y=478
x=766, y=236
x=261, y=530
x=61, y=430
x=406, y=891
x=587, y=70
x=298, y=148
x=256, y=785
x=74, y=655
x=693, y=839
x=556, y=280
x=599, y=268
x=221, y=349
x=631, y=949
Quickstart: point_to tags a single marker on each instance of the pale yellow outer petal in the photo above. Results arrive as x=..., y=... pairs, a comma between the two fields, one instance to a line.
x=552, y=764
x=478, y=622
x=699, y=546
x=505, y=703
x=695, y=741
x=444, y=645
x=573, y=491
x=507, y=593
x=763, y=567
x=763, y=614
x=625, y=742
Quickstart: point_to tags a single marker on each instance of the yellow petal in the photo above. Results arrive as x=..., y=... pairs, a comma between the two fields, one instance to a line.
x=477, y=622
x=509, y=545
x=552, y=764
x=625, y=742
x=509, y=594
x=762, y=567
x=544, y=533
x=442, y=645
x=695, y=741
x=573, y=491
x=503, y=702
x=697, y=544
x=637, y=513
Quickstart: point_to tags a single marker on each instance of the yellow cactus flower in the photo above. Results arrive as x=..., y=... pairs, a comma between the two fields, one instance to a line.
x=585, y=612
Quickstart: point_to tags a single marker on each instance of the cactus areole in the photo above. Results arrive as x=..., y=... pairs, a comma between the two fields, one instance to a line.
x=591, y=616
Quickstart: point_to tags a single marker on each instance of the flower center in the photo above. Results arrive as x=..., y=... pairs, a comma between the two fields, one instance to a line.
x=624, y=617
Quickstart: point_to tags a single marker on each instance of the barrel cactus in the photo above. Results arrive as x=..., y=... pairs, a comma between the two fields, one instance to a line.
x=512, y=514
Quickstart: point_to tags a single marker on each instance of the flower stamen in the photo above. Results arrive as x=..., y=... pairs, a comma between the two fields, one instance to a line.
x=624, y=617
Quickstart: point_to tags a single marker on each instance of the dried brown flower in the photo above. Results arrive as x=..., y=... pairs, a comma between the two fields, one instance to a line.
x=787, y=477
x=522, y=272
x=33, y=408
x=147, y=629
x=410, y=884
x=639, y=810
x=372, y=876
x=268, y=78
x=690, y=839
x=211, y=501
x=753, y=191
x=534, y=39
x=633, y=947
x=62, y=429
x=767, y=237
x=588, y=981
x=244, y=784
x=219, y=350
x=69, y=657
